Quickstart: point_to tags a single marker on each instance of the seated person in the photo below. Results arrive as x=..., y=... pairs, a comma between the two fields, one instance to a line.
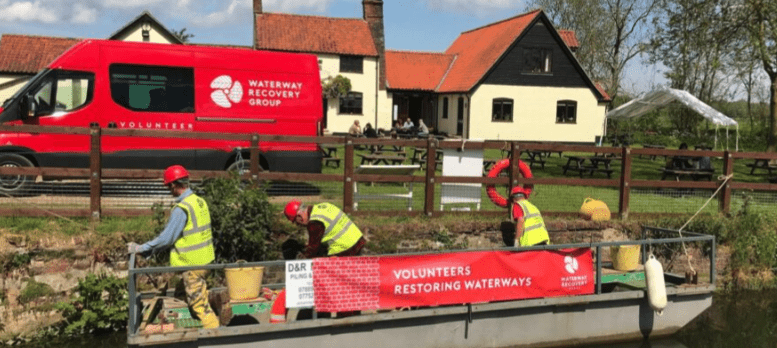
x=408, y=124
x=370, y=132
x=355, y=129
x=680, y=162
x=423, y=130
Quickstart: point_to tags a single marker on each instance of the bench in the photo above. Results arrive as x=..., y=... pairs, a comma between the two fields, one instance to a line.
x=587, y=169
x=576, y=164
x=407, y=170
x=377, y=159
x=694, y=174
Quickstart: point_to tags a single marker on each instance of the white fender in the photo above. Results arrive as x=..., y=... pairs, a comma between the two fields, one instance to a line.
x=656, y=288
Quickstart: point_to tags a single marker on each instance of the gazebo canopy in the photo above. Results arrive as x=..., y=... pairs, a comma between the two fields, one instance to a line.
x=663, y=96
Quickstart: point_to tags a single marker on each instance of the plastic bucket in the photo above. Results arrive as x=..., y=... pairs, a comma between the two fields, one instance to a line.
x=244, y=283
x=624, y=257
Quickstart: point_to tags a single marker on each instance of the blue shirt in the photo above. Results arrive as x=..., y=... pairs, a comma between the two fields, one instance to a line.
x=172, y=231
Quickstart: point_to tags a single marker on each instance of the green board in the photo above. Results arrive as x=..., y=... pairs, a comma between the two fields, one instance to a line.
x=631, y=277
x=250, y=308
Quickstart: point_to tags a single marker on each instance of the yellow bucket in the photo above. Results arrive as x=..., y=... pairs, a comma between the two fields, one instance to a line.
x=244, y=283
x=624, y=257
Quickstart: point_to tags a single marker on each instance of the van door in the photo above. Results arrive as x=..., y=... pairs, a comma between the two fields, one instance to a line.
x=61, y=98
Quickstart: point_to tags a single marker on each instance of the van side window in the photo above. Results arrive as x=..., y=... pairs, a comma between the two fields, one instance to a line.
x=152, y=88
x=64, y=91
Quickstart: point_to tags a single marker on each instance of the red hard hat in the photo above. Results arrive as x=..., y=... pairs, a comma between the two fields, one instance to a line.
x=173, y=173
x=517, y=190
x=291, y=210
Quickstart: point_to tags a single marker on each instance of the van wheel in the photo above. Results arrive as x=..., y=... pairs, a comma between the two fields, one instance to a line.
x=15, y=185
x=243, y=167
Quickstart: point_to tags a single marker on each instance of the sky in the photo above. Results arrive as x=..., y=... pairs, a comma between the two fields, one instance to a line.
x=416, y=25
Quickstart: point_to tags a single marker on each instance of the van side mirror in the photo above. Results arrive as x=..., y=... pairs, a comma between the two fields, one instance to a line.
x=28, y=108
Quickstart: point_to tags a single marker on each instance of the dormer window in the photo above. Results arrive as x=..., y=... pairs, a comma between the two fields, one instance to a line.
x=351, y=64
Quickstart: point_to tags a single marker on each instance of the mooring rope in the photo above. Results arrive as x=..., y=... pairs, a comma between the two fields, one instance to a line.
x=680, y=231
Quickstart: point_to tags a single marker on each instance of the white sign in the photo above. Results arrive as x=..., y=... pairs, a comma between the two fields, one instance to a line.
x=299, y=284
x=461, y=163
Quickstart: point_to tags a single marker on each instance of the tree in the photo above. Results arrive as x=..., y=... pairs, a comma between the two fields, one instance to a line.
x=756, y=21
x=182, y=35
x=616, y=30
x=688, y=42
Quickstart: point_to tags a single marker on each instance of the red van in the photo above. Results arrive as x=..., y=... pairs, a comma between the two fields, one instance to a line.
x=128, y=85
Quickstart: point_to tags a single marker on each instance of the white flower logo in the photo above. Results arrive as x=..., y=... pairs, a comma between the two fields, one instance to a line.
x=225, y=91
x=571, y=264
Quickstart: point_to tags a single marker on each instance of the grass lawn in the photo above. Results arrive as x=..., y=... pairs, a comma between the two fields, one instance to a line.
x=570, y=198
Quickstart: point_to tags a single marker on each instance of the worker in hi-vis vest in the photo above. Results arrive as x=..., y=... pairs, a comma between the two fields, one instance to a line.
x=189, y=233
x=529, y=226
x=327, y=225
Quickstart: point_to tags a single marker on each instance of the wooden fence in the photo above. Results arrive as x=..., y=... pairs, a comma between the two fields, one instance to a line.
x=96, y=174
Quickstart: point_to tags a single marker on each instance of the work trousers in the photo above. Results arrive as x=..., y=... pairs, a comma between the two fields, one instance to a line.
x=197, y=297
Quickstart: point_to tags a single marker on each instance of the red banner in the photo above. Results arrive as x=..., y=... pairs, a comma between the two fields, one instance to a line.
x=473, y=277
x=343, y=284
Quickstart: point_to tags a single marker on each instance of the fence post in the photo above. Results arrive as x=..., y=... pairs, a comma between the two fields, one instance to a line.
x=725, y=194
x=515, y=157
x=625, y=188
x=431, y=169
x=254, y=159
x=95, y=176
x=348, y=175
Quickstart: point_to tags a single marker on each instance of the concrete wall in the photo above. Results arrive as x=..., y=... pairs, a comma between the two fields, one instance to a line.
x=534, y=114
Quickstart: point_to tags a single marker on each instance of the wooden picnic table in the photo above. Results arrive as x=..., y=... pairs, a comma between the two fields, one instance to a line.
x=577, y=164
x=761, y=163
x=536, y=157
x=649, y=146
x=330, y=155
x=693, y=173
x=384, y=148
x=377, y=159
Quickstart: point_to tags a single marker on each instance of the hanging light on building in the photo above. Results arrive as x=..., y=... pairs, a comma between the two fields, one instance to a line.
x=145, y=28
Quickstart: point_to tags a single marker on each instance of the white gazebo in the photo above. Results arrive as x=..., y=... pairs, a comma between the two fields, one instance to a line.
x=663, y=96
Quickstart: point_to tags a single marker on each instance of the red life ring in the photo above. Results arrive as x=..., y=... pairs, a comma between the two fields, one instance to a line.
x=494, y=196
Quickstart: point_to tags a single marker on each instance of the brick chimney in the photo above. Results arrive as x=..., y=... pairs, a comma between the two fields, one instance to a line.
x=257, y=11
x=373, y=14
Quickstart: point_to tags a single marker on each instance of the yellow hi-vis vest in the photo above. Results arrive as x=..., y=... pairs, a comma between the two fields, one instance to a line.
x=195, y=247
x=534, y=231
x=340, y=232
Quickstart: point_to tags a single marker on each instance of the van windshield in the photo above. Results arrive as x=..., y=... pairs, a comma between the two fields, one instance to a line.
x=18, y=93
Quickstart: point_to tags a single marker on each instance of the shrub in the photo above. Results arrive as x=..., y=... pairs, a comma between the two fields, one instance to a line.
x=101, y=305
x=34, y=291
x=241, y=218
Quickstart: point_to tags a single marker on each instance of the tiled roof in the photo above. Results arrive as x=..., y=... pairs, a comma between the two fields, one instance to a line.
x=569, y=38
x=477, y=51
x=27, y=54
x=605, y=97
x=314, y=34
x=416, y=70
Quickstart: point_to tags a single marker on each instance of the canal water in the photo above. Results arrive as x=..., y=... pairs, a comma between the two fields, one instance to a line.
x=741, y=319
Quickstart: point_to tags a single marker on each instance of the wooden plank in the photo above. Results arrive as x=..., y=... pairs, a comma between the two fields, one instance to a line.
x=348, y=179
x=674, y=184
x=95, y=178
x=754, y=155
x=387, y=178
x=725, y=197
x=625, y=182
x=44, y=129
x=431, y=169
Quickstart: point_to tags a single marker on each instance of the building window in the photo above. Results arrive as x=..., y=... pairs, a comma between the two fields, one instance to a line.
x=566, y=111
x=351, y=64
x=445, y=107
x=502, y=110
x=351, y=104
x=537, y=60
x=152, y=88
